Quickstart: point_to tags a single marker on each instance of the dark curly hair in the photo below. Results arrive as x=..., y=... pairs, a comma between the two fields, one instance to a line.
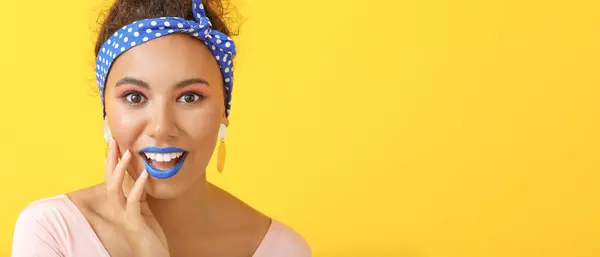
x=122, y=12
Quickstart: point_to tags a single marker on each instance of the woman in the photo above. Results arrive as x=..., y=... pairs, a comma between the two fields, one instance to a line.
x=164, y=71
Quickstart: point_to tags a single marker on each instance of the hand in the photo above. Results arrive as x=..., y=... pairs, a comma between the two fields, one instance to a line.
x=131, y=213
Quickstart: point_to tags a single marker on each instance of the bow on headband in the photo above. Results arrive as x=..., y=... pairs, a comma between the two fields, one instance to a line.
x=139, y=32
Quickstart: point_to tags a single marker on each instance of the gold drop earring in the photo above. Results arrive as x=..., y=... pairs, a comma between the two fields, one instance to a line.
x=222, y=152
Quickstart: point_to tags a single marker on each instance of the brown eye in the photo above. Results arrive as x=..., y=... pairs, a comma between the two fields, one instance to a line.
x=134, y=98
x=189, y=97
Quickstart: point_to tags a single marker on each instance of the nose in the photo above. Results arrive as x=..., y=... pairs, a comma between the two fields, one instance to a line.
x=162, y=125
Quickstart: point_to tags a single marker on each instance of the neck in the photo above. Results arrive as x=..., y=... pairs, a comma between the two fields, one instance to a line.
x=186, y=213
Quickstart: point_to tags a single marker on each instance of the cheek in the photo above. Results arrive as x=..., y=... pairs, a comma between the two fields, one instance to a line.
x=200, y=125
x=125, y=128
x=201, y=129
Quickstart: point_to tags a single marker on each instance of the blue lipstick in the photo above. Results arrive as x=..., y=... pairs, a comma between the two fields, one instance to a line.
x=163, y=174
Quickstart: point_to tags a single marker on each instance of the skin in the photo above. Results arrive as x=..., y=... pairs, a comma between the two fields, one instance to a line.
x=167, y=92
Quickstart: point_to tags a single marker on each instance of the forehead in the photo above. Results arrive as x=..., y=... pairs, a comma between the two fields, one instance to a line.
x=166, y=60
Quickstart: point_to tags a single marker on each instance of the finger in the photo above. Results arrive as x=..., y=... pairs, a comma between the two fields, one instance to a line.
x=111, y=158
x=115, y=184
x=135, y=196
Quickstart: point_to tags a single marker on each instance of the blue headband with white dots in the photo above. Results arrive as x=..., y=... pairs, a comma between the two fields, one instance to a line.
x=139, y=32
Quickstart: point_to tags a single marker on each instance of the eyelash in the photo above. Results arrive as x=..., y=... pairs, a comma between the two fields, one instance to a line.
x=127, y=94
x=200, y=96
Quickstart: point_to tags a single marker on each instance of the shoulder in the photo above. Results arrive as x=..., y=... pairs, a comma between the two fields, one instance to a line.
x=60, y=209
x=57, y=215
x=283, y=241
x=45, y=212
x=43, y=223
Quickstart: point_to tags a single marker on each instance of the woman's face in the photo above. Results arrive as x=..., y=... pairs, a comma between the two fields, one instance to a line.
x=167, y=92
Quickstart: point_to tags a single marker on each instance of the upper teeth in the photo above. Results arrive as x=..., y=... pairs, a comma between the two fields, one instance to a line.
x=163, y=157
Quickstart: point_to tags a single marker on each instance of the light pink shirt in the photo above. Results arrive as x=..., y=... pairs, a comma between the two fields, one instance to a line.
x=54, y=227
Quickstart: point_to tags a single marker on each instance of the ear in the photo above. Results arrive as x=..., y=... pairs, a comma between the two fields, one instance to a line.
x=225, y=119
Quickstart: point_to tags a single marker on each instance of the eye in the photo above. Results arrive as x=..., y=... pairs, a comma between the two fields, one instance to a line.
x=134, y=98
x=190, y=97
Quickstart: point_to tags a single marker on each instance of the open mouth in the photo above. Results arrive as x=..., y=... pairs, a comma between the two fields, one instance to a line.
x=163, y=161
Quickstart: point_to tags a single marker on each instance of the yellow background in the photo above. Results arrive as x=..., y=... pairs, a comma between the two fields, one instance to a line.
x=374, y=128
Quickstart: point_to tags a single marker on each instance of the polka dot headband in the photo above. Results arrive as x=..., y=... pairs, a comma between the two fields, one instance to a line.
x=139, y=32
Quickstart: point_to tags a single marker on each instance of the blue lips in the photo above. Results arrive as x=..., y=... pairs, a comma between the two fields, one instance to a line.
x=163, y=173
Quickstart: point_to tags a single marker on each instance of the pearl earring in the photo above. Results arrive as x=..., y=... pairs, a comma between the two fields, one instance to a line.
x=107, y=134
x=222, y=152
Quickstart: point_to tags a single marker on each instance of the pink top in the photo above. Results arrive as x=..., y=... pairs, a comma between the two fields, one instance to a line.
x=54, y=227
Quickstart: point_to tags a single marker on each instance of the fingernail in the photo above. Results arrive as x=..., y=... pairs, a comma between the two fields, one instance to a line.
x=127, y=153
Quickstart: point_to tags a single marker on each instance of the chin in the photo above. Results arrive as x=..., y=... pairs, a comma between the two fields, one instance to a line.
x=174, y=186
x=172, y=174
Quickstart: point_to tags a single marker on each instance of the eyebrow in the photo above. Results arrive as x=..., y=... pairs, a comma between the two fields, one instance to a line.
x=191, y=81
x=141, y=83
x=133, y=81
